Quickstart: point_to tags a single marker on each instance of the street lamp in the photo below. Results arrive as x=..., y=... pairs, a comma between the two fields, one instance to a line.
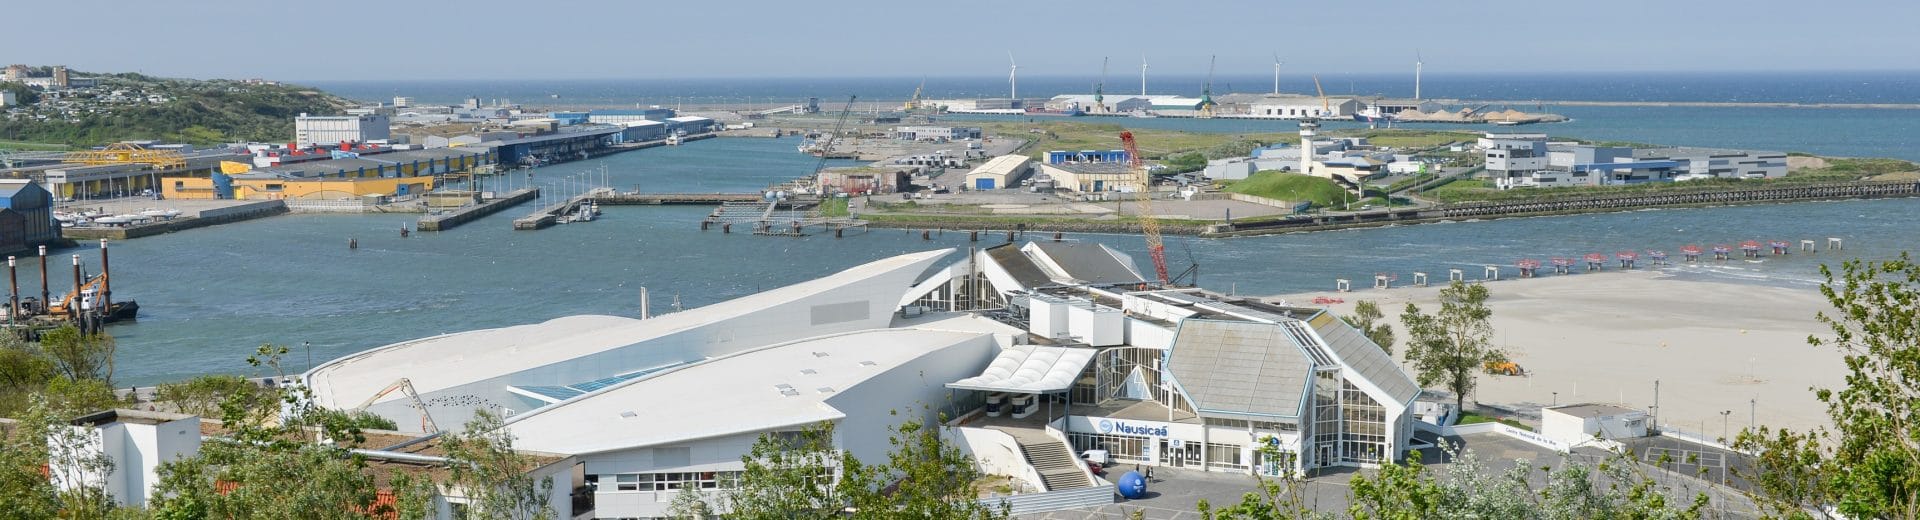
x=1556, y=399
x=1723, y=424
x=308, y=345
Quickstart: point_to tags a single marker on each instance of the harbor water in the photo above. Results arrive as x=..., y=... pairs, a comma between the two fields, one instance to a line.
x=209, y=296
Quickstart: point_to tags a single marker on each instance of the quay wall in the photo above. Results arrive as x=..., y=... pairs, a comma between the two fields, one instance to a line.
x=449, y=220
x=250, y=211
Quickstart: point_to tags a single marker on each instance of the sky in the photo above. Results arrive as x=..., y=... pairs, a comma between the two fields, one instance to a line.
x=590, y=39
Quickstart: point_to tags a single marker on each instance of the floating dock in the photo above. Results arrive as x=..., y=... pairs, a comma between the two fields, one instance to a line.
x=449, y=219
x=550, y=215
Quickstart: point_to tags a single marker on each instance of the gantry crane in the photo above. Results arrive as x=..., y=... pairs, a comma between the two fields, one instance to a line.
x=1099, y=90
x=1206, y=92
x=1149, y=224
x=406, y=386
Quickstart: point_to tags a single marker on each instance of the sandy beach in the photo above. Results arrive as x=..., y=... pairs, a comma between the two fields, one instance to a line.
x=1607, y=337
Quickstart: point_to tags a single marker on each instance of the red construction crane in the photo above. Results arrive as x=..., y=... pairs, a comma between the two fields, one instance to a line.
x=1149, y=224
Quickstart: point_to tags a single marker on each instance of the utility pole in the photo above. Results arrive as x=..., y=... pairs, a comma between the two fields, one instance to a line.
x=1656, y=404
x=1724, y=437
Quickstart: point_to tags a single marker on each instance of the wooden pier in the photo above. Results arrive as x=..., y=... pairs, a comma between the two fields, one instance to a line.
x=447, y=220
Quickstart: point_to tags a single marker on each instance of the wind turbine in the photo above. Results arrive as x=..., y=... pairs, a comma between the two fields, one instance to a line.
x=1013, y=76
x=1276, y=74
x=1417, y=64
x=1143, y=75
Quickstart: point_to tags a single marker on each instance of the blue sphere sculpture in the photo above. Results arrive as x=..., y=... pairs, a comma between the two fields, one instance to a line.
x=1133, y=485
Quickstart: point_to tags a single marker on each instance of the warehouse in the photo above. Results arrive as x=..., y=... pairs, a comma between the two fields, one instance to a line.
x=1000, y=172
x=26, y=215
x=614, y=117
x=689, y=125
x=312, y=130
x=1093, y=177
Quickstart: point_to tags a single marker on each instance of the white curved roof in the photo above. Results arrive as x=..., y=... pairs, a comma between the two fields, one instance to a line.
x=1030, y=369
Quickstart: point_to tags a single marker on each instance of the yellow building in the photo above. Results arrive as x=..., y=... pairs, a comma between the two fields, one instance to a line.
x=387, y=174
x=257, y=186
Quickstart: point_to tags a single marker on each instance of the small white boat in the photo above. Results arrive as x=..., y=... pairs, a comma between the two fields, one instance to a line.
x=112, y=221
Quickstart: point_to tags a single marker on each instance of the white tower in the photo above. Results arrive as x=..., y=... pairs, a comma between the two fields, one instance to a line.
x=1307, y=126
x=1417, y=63
x=1013, y=77
x=1276, y=74
x=1143, y=75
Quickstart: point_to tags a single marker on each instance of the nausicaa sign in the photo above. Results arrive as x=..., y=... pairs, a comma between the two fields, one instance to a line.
x=1111, y=426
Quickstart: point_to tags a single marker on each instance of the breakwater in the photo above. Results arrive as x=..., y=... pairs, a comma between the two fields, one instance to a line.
x=447, y=220
x=205, y=218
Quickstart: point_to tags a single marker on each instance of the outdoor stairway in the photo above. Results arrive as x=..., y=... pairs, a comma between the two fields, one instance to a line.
x=1058, y=467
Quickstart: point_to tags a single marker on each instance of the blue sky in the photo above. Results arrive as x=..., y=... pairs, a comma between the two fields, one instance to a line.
x=496, y=39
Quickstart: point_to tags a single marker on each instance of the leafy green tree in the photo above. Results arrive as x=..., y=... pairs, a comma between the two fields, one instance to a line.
x=21, y=92
x=204, y=395
x=802, y=475
x=78, y=355
x=1367, y=317
x=39, y=451
x=927, y=478
x=1447, y=348
x=495, y=477
x=789, y=475
x=1868, y=464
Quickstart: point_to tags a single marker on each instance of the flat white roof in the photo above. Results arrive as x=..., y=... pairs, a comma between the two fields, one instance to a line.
x=769, y=388
x=1002, y=165
x=451, y=360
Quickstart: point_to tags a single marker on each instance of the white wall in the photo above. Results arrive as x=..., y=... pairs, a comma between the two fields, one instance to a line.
x=995, y=453
x=916, y=388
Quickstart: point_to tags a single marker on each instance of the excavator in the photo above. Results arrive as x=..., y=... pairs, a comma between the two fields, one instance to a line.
x=406, y=386
x=87, y=299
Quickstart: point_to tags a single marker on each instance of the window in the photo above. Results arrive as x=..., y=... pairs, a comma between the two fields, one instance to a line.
x=1225, y=456
x=677, y=480
x=627, y=482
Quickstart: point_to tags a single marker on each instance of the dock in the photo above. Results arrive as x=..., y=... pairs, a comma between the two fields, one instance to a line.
x=657, y=199
x=449, y=219
x=767, y=218
x=551, y=214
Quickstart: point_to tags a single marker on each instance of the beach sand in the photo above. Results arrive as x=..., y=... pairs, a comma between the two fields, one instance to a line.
x=1606, y=338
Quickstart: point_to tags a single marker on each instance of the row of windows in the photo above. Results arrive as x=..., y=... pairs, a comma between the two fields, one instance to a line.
x=676, y=480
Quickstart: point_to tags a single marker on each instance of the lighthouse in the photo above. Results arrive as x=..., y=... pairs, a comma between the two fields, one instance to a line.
x=1307, y=126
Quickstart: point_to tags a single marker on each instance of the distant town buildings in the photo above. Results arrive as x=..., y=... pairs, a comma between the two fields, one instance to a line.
x=614, y=117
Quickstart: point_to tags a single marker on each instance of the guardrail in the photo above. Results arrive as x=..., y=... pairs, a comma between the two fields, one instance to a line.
x=1031, y=503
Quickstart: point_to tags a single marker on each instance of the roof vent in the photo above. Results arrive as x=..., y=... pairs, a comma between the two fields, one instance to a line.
x=628, y=414
x=868, y=363
x=783, y=386
x=826, y=389
x=819, y=354
x=809, y=371
x=789, y=392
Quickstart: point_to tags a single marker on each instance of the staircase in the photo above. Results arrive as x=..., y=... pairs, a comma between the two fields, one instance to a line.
x=1058, y=467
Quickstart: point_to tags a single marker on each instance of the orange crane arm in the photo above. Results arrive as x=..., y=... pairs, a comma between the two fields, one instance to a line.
x=1149, y=224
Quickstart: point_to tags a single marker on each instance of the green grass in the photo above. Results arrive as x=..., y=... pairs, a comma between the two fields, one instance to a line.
x=37, y=147
x=834, y=207
x=1469, y=417
x=1292, y=188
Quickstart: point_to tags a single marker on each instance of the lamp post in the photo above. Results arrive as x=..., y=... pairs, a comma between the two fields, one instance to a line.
x=1723, y=424
x=308, y=346
x=1753, y=420
x=1556, y=399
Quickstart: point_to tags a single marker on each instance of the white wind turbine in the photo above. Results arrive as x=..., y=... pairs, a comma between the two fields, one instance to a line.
x=1143, y=75
x=1013, y=76
x=1276, y=74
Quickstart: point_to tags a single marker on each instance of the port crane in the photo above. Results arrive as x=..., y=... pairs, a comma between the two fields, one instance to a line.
x=914, y=103
x=405, y=386
x=1099, y=94
x=1326, y=107
x=1206, y=93
x=825, y=149
x=1149, y=224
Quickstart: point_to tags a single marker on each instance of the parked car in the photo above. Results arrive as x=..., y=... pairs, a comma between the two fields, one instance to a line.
x=1096, y=468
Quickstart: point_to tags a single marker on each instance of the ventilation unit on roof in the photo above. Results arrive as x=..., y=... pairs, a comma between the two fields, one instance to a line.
x=809, y=371
x=628, y=414
x=868, y=364
x=826, y=389
x=819, y=354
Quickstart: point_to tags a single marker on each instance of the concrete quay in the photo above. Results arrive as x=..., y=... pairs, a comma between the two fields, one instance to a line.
x=450, y=219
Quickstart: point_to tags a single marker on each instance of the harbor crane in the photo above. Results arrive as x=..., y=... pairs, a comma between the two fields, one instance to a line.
x=1326, y=107
x=1149, y=223
x=405, y=386
x=914, y=103
x=825, y=149
x=1099, y=94
x=1206, y=92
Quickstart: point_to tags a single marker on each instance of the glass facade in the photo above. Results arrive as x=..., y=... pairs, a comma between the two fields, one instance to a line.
x=1349, y=426
x=1121, y=448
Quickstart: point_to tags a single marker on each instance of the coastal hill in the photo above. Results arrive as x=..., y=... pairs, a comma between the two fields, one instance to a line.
x=136, y=106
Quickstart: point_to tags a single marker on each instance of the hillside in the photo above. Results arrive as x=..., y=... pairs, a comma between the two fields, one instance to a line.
x=135, y=106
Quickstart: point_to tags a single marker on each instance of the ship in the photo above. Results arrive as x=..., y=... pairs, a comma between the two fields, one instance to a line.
x=1373, y=115
x=1068, y=112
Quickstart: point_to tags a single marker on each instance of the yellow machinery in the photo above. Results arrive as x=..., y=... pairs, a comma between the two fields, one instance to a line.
x=127, y=153
x=60, y=307
x=914, y=103
x=1326, y=107
x=1504, y=368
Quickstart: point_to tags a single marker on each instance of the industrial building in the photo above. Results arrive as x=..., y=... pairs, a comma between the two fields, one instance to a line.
x=689, y=125
x=1531, y=161
x=1000, y=172
x=387, y=173
x=1295, y=107
x=26, y=215
x=1576, y=424
x=311, y=130
x=614, y=117
x=1094, y=177
x=936, y=133
x=1009, y=342
x=1086, y=156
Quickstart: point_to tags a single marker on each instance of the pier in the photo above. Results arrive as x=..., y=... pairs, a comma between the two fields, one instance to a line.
x=449, y=219
x=766, y=218
x=611, y=198
x=553, y=214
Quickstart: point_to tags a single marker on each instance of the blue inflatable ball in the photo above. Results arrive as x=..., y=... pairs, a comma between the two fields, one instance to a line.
x=1133, y=485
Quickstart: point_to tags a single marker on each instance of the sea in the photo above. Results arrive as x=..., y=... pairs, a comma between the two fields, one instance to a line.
x=209, y=296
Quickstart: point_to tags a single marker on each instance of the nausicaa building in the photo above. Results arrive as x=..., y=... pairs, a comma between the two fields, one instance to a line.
x=1029, y=354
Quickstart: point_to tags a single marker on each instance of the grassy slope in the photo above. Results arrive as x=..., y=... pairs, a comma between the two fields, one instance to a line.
x=1291, y=187
x=199, y=112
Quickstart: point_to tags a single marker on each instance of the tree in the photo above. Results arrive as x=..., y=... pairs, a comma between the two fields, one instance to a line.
x=793, y=475
x=1447, y=348
x=1367, y=317
x=495, y=477
x=1868, y=465
x=41, y=451
x=927, y=479
x=78, y=355
x=788, y=475
x=204, y=395
x=21, y=92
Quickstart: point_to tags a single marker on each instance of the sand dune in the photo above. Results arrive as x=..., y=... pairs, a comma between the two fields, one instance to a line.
x=1607, y=338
